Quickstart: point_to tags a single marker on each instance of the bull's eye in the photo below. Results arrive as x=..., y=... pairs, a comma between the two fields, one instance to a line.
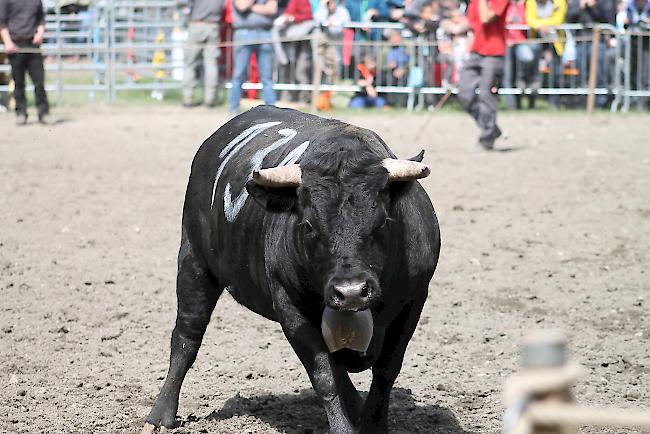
x=308, y=228
x=384, y=224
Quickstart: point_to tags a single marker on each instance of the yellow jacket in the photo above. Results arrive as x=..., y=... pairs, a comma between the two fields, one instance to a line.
x=556, y=18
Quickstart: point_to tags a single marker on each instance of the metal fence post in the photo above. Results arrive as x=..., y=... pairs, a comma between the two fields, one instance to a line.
x=111, y=50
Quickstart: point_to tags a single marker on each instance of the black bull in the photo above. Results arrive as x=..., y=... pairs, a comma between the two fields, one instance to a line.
x=335, y=215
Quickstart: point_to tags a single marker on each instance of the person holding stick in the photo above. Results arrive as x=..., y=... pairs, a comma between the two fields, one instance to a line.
x=485, y=67
x=22, y=26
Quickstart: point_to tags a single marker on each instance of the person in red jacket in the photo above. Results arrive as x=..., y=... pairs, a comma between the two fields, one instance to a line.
x=484, y=68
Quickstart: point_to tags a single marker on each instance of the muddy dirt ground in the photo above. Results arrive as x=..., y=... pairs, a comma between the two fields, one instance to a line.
x=555, y=232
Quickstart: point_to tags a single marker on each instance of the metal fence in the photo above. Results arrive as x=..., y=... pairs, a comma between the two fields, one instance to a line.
x=120, y=46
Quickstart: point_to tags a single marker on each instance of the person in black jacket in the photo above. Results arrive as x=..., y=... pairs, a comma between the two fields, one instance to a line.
x=22, y=26
x=590, y=13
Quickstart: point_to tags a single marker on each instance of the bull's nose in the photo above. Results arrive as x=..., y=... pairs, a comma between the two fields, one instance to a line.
x=350, y=296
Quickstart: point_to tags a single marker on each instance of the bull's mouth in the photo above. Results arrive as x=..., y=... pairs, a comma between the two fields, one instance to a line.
x=347, y=329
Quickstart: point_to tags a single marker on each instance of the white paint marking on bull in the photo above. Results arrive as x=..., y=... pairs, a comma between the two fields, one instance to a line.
x=293, y=156
x=235, y=145
x=231, y=209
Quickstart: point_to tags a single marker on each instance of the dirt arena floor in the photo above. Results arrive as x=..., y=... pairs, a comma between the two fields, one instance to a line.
x=552, y=232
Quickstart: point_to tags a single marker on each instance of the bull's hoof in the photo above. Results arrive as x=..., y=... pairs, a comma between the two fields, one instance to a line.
x=161, y=417
x=353, y=431
x=150, y=428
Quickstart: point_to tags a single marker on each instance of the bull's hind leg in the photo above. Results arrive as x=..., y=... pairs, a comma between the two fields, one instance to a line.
x=197, y=291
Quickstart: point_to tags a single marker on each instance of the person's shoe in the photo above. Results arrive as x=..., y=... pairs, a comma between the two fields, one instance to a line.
x=190, y=104
x=45, y=119
x=21, y=119
x=487, y=145
x=481, y=146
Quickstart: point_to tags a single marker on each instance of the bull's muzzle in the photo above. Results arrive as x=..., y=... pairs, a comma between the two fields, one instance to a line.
x=351, y=296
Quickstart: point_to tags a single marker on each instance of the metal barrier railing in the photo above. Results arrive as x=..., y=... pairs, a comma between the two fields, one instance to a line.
x=125, y=46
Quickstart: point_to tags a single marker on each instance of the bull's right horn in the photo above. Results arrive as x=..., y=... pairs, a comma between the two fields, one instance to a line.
x=276, y=177
x=405, y=170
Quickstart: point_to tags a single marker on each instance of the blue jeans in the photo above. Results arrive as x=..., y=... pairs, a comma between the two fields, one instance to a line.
x=242, y=56
x=361, y=101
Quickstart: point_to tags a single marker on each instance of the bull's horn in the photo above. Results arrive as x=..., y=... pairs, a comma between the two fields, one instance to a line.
x=283, y=176
x=405, y=170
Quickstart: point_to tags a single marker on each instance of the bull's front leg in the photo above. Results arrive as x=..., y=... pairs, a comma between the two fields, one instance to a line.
x=326, y=377
x=374, y=419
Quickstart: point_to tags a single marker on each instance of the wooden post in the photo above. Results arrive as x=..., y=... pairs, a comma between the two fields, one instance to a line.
x=593, y=69
x=546, y=377
x=539, y=400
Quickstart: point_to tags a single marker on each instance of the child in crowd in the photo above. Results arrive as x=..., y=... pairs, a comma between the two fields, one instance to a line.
x=397, y=58
x=452, y=39
x=368, y=96
x=520, y=69
x=542, y=16
x=397, y=63
x=330, y=18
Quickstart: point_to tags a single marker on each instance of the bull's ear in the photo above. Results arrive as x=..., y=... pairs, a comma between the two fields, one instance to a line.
x=273, y=199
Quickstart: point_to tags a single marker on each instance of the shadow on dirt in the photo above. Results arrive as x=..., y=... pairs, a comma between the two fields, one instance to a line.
x=302, y=413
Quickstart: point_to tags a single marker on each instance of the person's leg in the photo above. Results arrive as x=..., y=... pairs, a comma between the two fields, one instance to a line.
x=192, y=58
x=18, y=69
x=527, y=70
x=303, y=62
x=211, y=71
x=583, y=52
x=491, y=74
x=357, y=102
x=241, y=58
x=511, y=76
x=289, y=77
x=601, y=77
x=556, y=78
x=277, y=33
x=470, y=77
x=4, y=80
x=265, y=65
x=379, y=102
x=37, y=74
x=532, y=73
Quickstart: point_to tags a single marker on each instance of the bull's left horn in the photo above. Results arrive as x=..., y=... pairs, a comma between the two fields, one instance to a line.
x=283, y=176
x=405, y=170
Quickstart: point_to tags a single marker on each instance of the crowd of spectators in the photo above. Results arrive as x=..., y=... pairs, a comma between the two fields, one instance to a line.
x=428, y=48
x=433, y=42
